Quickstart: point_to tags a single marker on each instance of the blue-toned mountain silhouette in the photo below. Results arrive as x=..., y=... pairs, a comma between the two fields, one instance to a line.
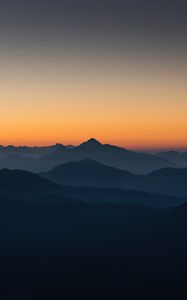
x=178, y=158
x=51, y=240
x=38, y=159
x=168, y=181
x=26, y=186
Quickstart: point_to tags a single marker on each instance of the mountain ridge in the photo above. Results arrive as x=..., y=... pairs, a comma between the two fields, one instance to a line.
x=87, y=172
x=23, y=185
x=40, y=159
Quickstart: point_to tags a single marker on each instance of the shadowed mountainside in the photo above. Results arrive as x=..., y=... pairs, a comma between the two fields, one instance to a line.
x=24, y=185
x=105, y=243
x=168, y=181
x=102, y=250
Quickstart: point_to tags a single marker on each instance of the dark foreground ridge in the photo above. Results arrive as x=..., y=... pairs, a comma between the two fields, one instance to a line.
x=63, y=242
x=61, y=248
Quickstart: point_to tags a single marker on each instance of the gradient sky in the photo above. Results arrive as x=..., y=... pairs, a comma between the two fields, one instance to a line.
x=75, y=69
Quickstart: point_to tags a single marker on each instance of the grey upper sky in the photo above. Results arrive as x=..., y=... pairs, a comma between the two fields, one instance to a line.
x=153, y=23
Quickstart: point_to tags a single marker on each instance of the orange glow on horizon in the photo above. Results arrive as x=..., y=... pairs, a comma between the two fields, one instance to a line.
x=140, y=107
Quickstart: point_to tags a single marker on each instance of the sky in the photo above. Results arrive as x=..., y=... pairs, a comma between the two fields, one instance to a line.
x=114, y=70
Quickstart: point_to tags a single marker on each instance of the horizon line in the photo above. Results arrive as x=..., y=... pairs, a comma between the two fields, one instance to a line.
x=133, y=148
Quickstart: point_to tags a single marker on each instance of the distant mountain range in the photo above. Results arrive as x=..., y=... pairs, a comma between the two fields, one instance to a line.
x=33, y=152
x=38, y=159
x=178, y=158
x=109, y=155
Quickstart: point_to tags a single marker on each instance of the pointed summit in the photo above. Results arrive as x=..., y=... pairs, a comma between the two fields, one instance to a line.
x=91, y=144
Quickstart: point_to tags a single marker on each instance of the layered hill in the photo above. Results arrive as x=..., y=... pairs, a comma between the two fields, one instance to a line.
x=167, y=181
x=22, y=185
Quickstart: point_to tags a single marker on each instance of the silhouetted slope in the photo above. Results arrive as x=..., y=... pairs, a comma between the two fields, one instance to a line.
x=178, y=158
x=79, y=243
x=168, y=181
x=52, y=250
x=23, y=184
x=27, y=186
x=112, y=195
x=89, y=173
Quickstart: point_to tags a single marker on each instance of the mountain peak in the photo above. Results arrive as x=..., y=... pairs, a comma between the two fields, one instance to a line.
x=91, y=143
x=59, y=146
